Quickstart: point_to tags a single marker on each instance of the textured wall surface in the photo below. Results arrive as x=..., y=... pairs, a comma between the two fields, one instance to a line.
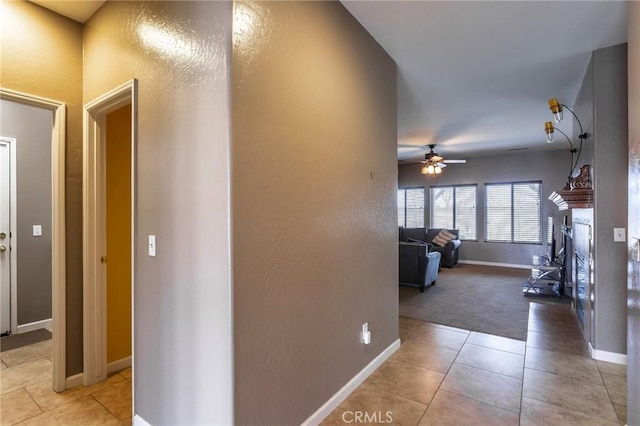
x=42, y=55
x=602, y=108
x=314, y=216
x=31, y=127
x=633, y=284
x=178, y=51
x=552, y=168
x=611, y=147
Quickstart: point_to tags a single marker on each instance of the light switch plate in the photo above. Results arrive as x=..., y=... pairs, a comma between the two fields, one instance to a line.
x=619, y=235
x=152, y=245
x=37, y=230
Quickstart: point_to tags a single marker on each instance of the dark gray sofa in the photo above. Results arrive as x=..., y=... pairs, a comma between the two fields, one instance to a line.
x=418, y=266
x=449, y=252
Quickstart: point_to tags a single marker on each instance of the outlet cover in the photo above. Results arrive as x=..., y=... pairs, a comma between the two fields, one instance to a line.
x=619, y=235
x=152, y=245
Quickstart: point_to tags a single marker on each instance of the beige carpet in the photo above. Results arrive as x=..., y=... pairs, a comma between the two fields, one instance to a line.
x=479, y=298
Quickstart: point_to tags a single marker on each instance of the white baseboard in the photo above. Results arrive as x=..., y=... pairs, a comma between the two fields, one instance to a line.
x=118, y=365
x=612, y=357
x=74, y=381
x=502, y=265
x=121, y=364
x=322, y=412
x=139, y=421
x=36, y=325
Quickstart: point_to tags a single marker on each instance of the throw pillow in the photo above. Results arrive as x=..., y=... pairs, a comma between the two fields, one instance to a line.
x=443, y=238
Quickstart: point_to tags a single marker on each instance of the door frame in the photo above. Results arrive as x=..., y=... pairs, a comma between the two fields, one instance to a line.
x=13, y=220
x=94, y=227
x=58, y=234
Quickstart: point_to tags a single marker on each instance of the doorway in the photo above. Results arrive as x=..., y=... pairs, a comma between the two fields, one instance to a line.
x=56, y=228
x=118, y=238
x=109, y=232
x=7, y=230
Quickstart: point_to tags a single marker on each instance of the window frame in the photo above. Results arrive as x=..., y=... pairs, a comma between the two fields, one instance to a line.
x=542, y=237
x=431, y=206
x=405, y=204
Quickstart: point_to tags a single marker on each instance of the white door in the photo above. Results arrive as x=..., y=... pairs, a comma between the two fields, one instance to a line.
x=5, y=224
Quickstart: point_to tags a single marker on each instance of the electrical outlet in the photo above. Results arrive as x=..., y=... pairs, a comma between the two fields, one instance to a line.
x=366, y=334
x=152, y=245
x=619, y=235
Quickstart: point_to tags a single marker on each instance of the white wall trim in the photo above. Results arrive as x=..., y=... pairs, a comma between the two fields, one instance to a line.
x=118, y=365
x=94, y=226
x=326, y=409
x=13, y=229
x=73, y=381
x=58, y=227
x=139, y=421
x=36, y=325
x=501, y=265
x=612, y=357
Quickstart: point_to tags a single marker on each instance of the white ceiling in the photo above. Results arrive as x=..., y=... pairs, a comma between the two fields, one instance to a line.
x=474, y=77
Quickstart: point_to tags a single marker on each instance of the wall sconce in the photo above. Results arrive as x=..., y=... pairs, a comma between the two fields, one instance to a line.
x=549, y=129
x=556, y=109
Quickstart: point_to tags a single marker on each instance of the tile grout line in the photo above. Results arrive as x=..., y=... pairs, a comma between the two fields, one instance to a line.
x=444, y=377
x=32, y=398
x=103, y=406
x=37, y=405
x=524, y=367
x=571, y=354
x=613, y=405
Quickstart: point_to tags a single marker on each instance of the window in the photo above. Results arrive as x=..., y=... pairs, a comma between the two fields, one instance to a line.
x=513, y=212
x=454, y=207
x=411, y=208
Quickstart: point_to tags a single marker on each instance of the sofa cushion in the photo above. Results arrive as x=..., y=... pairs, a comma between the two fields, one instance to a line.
x=418, y=234
x=413, y=240
x=443, y=238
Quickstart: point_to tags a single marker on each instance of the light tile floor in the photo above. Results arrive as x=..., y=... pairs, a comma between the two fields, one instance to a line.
x=447, y=376
x=440, y=376
x=26, y=396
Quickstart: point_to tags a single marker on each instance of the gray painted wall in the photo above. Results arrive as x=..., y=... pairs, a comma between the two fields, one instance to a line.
x=183, y=327
x=550, y=167
x=602, y=108
x=31, y=127
x=315, y=251
x=611, y=157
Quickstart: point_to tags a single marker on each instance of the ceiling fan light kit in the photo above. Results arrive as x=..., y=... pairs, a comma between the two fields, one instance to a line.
x=434, y=163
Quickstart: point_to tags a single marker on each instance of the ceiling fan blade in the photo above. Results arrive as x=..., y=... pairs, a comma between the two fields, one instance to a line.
x=441, y=165
x=436, y=158
x=455, y=161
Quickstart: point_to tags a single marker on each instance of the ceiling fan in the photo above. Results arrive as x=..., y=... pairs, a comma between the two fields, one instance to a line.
x=434, y=163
